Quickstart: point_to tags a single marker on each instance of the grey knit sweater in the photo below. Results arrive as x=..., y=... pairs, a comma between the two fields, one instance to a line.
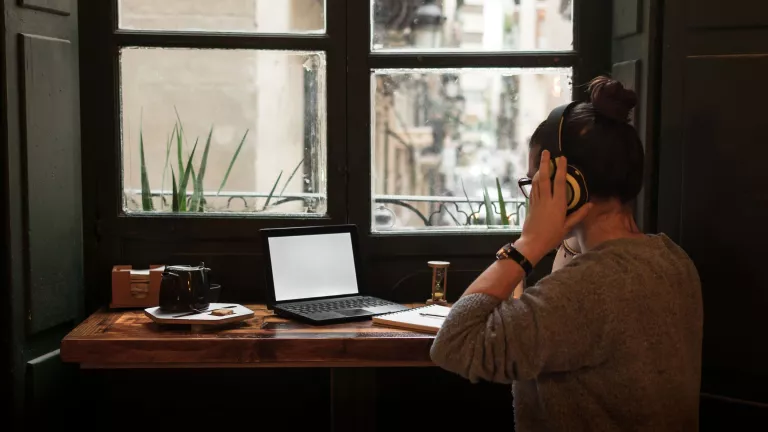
x=610, y=342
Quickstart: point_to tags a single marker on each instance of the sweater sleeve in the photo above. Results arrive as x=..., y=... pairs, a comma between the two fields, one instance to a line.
x=558, y=325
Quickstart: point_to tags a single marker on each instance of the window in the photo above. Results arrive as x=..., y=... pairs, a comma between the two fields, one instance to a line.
x=223, y=130
x=241, y=16
x=243, y=130
x=206, y=121
x=459, y=87
x=466, y=134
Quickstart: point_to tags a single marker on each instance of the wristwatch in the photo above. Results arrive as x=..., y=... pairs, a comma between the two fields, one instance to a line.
x=509, y=252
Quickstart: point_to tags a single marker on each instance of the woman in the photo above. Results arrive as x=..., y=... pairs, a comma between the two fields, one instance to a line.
x=610, y=341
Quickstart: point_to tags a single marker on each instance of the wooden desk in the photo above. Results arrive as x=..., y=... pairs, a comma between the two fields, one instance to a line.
x=128, y=339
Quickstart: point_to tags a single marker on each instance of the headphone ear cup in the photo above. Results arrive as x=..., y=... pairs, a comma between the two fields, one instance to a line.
x=577, y=192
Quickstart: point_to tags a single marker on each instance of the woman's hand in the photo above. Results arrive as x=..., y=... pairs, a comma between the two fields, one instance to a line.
x=546, y=224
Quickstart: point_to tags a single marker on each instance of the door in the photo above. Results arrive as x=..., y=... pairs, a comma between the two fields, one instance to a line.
x=712, y=200
x=42, y=211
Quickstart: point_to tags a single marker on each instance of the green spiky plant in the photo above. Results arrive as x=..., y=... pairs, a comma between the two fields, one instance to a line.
x=490, y=218
x=502, y=205
x=146, y=194
x=180, y=202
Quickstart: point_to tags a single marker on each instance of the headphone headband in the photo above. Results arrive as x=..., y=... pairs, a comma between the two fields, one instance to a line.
x=551, y=132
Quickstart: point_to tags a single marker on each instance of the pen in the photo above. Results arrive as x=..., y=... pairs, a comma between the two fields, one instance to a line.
x=432, y=315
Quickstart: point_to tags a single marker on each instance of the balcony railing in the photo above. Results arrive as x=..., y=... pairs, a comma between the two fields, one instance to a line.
x=454, y=211
x=442, y=211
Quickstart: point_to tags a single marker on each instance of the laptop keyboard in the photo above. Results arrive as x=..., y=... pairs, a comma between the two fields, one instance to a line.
x=331, y=305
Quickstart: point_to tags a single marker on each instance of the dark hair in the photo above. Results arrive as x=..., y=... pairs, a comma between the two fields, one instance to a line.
x=598, y=139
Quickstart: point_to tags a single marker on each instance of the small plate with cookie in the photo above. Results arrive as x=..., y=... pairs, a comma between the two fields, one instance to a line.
x=216, y=314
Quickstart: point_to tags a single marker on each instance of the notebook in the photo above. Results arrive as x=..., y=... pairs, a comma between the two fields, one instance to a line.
x=427, y=319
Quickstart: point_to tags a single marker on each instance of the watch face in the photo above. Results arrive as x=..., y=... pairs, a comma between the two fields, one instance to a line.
x=503, y=253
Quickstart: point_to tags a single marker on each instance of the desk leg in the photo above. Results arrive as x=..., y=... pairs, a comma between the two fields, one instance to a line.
x=353, y=399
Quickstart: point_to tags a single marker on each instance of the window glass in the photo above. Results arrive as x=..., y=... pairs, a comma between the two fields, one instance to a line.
x=472, y=25
x=447, y=143
x=229, y=130
x=244, y=16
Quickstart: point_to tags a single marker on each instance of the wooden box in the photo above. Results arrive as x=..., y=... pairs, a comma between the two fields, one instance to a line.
x=136, y=288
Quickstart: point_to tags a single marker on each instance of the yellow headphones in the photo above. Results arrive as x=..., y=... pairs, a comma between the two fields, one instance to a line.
x=551, y=137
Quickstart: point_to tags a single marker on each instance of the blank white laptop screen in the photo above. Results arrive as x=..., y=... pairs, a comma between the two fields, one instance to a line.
x=311, y=266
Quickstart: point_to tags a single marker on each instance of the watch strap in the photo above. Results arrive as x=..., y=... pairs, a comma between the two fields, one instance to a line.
x=509, y=252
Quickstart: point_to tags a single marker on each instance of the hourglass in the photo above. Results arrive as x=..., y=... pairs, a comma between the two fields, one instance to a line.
x=439, y=282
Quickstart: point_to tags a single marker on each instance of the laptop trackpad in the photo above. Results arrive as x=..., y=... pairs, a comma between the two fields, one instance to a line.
x=353, y=312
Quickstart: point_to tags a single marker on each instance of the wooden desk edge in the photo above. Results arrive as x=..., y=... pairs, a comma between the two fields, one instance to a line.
x=89, y=346
x=281, y=365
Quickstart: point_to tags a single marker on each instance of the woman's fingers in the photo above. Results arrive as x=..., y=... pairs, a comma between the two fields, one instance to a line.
x=559, y=187
x=545, y=184
x=541, y=181
x=534, y=187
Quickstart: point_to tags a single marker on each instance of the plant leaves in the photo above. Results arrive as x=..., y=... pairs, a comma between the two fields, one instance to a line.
x=469, y=203
x=194, y=182
x=146, y=192
x=290, y=178
x=175, y=198
x=185, y=180
x=179, y=152
x=197, y=196
x=489, y=219
x=502, y=205
x=232, y=162
x=274, y=186
x=204, y=162
x=165, y=164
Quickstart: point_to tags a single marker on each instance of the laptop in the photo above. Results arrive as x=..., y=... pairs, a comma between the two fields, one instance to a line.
x=313, y=275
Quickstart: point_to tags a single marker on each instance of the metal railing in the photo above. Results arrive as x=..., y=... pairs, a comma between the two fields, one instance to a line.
x=442, y=210
x=460, y=211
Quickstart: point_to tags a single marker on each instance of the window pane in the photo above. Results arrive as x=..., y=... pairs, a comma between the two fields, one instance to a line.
x=472, y=25
x=277, y=98
x=247, y=16
x=443, y=138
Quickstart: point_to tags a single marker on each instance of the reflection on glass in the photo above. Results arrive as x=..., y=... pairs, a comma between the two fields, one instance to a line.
x=472, y=25
x=242, y=16
x=251, y=122
x=446, y=142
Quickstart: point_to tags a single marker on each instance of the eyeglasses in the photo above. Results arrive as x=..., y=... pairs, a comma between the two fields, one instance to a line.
x=525, y=185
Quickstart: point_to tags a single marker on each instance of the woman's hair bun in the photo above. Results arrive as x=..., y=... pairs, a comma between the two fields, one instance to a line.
x=611, y=99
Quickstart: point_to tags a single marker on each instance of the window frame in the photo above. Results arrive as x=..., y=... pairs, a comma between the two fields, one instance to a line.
x=590, y=57
x=101, y=42
x=113, y=237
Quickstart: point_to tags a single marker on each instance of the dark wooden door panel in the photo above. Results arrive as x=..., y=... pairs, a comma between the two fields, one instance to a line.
x=725, y=203
x=42, y=210
x=730, y=14
x=627, y=17
x=59, y=7
x=51, y=144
